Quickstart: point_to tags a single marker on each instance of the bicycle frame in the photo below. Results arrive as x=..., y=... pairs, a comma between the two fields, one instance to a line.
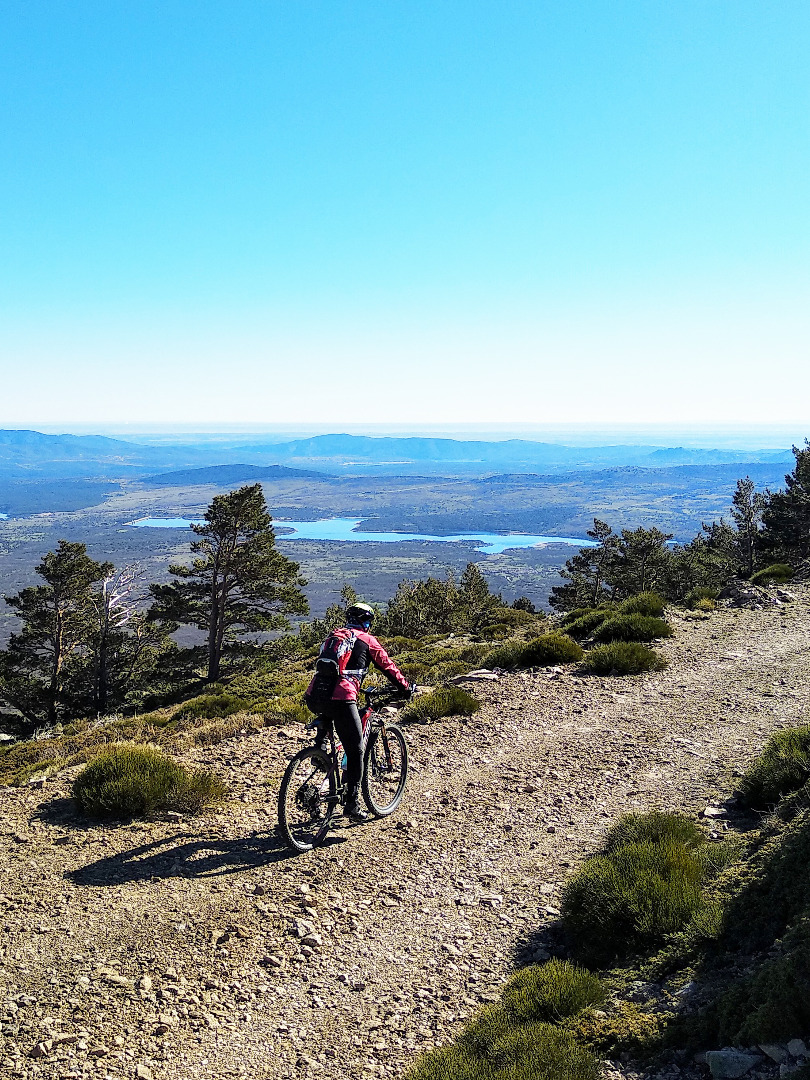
x=369, y=718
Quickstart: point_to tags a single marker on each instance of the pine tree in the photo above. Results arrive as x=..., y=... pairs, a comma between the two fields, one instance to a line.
x=786, y=518
x=641, y=562
x=238, y=584
x=47, y=655
x=586, y=573
x=475, y=602
x=747, y=508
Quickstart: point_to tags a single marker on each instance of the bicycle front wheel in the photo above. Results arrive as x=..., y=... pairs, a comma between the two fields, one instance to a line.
x=385, y=771
x=307, y=799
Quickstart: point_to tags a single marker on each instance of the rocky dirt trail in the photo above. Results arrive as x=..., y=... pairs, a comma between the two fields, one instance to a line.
x=200, y=948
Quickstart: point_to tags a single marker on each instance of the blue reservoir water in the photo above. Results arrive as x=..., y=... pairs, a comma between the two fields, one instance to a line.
x=345, y=529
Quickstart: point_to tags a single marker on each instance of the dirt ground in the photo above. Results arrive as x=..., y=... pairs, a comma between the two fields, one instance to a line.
x=179, y=949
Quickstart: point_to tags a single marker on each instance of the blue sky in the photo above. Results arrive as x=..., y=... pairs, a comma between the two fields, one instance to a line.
x=311, y=211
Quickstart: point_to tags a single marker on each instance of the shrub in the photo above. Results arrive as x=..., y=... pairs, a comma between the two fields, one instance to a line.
x=623, y=658
x=705, y=604
x=632, y=628
x=128, y=780
x=631, y=899
x=209, y=706
x=287, y=710
x=446, y=701
x=493, y=1047
x=583, y=626
x=495, y=631
x=782, y=768
x=576, y=613
x=702, y=592
x=523, y=603
x=552, y=992
x=451, y=1063
x=777, y=573
x=532, y=1052
x=553, y=648
x=655, y=827
x=645, y=603
x=626, y=1028
x=399, y=644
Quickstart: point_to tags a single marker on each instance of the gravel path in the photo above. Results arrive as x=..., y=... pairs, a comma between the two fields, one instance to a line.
x=178, y=949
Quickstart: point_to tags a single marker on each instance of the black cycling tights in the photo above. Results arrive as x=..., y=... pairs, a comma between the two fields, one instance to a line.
x=349, y=730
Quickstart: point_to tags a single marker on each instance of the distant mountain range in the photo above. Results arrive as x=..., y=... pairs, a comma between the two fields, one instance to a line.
x=33, y=455
x=222, y=475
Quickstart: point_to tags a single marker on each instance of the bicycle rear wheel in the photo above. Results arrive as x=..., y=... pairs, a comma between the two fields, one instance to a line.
x=307, y=799
x=385, y=770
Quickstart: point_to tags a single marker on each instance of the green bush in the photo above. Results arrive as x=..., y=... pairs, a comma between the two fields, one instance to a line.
x=535, y=1052
x=452, y=1063
x=446, y=701
x=694, y=597
x=645, y=603
x=655, y=827
x=777, y=573
x=553, y=648
x=551, y=992
x=782, y=768
x=398, y=644
x=493, y=1047
x=580, y=612
x=623, y=658
x=631, y=899
x=128, y=780
x=583, y=626
x=210, y=706
x=495, y=631
x=632, y=628
x=625, y=1029
x=287, y=710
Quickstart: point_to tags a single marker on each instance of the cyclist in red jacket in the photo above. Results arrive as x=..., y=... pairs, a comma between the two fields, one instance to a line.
x=350, y=652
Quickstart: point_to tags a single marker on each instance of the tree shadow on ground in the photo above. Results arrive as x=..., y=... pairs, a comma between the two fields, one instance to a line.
x=185, y=856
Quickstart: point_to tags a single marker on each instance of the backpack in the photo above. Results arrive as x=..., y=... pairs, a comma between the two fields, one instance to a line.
x=333, y=660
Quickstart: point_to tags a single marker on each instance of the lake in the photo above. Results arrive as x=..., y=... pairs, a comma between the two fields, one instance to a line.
x=345, y=529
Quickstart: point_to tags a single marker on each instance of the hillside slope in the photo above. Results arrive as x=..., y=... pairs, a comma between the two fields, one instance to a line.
x=174, y=946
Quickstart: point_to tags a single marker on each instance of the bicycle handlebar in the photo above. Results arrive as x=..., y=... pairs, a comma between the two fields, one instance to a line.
x=382, y=694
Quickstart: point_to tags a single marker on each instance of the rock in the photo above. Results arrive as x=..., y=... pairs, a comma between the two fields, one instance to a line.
x=272, y=961
x=730, y=1064
x=143, y=1072
x=713, y=812
x=119, y=980
x=796, y=1048
x=42, y=1048
x=774, y=1052
x=739, y=593
x=314, y=941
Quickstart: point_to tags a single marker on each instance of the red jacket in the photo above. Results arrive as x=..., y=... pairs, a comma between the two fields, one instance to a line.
x=367, y=650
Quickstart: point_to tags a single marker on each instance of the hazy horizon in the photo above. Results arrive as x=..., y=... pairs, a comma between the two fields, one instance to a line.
x=696, y=436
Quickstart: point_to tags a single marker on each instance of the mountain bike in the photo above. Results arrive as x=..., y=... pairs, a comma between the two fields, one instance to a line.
x=314, y=785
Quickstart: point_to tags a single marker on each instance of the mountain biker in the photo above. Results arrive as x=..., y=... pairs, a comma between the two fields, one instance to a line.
x=341, y=709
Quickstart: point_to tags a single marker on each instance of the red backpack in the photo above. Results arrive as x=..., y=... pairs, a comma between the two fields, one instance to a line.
x=333, y=660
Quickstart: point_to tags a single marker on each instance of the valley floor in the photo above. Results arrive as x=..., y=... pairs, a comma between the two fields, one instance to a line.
x=172, y=949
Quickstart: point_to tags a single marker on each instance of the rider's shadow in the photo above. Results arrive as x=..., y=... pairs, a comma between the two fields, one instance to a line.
x=183, y=855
